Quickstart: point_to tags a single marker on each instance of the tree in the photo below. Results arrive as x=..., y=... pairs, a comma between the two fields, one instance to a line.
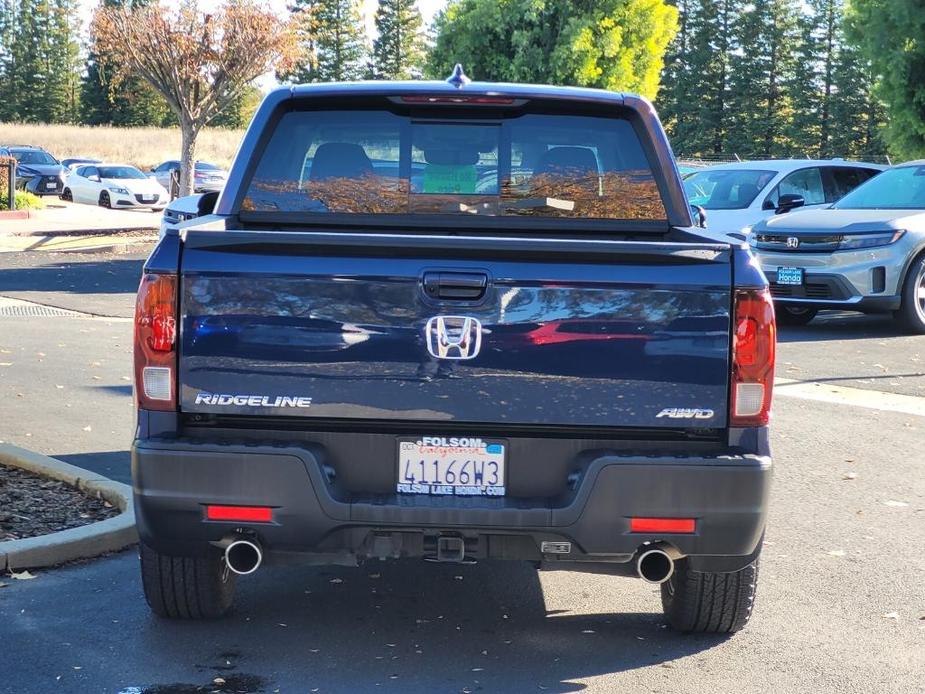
x=133, y=102
x=200, y=63
x=333, y=42
x=759, y=84
x=889, y=34
x=399, y=50
x=611, y=44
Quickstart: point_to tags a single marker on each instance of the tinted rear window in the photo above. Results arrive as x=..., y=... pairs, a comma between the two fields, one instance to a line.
x=379, y=162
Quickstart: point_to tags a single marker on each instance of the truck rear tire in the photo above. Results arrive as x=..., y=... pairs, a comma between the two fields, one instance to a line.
x=186, y=587
x=711, y=603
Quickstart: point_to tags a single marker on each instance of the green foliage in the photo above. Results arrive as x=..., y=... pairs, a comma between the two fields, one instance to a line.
x=38, y=60
x=891, y=36
x=239, y=112
x=611, y=44
x=768, y=78
x=333, y=39
x=23, y=200
x=760, y=98
x=399, y=50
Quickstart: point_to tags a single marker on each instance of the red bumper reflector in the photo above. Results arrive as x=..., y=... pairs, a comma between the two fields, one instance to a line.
x=253, y=514
x=662, y=525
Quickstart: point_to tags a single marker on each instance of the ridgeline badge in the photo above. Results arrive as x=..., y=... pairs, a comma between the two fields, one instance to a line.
x=225, y=399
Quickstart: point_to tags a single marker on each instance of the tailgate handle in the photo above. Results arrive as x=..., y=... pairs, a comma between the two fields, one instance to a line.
x=455, y=286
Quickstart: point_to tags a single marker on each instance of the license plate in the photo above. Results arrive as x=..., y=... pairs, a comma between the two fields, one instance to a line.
x=790, y=275
x=451, y=465
x=148, y=198
x=51, y=186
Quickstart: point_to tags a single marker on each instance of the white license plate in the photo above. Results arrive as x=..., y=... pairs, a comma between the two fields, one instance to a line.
x=790, y=275
x=457, y=466
x=51, y=186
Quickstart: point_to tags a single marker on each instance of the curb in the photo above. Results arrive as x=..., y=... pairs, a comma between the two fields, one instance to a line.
x=15, y=214
x=85, y=232
x=83, y=542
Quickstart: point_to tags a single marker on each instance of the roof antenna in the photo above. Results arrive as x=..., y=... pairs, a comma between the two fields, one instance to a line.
x=458, y=79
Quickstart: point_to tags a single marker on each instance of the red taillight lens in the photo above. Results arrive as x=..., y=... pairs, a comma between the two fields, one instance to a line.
x=156, y=342
x=753, y=348
x=662, y=525
x=253, y=514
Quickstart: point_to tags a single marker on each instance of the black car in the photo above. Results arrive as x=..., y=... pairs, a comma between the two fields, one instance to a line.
x=37, y=171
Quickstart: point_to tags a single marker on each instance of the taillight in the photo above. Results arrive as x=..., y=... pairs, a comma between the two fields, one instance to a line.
x=753, y=347
x=156, y=343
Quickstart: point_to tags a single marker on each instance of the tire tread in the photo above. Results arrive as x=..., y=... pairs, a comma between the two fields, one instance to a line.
x=185, y=587
x=717, y=603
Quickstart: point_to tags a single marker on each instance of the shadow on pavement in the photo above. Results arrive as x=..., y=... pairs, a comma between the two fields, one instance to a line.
x=410, y=626
x=113, y=276
x=116, y=465
x=842, y=326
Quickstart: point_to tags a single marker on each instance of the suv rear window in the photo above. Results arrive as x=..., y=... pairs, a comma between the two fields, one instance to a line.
x=527, y=164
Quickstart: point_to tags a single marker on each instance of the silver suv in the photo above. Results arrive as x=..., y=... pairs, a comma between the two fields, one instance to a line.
x=864, y=253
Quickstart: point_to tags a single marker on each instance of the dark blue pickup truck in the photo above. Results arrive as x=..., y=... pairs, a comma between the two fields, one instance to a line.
x=453, y=321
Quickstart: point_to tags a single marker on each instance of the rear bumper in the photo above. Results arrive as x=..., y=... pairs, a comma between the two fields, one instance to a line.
x=174, y=481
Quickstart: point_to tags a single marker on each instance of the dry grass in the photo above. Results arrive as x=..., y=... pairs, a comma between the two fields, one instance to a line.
x=143, y=147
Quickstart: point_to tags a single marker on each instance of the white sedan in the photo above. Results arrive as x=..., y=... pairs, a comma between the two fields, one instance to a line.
x=739, y=195
x=118, y=186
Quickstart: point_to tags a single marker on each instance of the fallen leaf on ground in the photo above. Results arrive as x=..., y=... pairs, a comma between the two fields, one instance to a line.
x=218, y=680
x=22, y=575
x=88, y=428
x=837, y=553
x=891, y=615
x=336, y=580
x=850, y=476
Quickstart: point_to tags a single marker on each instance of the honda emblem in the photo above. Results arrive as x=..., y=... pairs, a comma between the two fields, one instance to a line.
x=453, y=337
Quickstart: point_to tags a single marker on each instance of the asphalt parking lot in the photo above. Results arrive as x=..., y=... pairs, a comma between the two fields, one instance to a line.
x=841, y=606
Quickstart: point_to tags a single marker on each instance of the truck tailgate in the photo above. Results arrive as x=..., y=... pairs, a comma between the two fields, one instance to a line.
x=455, y=329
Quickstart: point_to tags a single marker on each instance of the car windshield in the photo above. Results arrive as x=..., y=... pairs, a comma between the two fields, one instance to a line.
x=120, y=172
x=379, y=162
x=902, y=188
x=726, y=189
x=32, y=156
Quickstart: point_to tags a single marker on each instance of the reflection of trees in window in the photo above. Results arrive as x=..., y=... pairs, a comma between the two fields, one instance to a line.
x=612, y=195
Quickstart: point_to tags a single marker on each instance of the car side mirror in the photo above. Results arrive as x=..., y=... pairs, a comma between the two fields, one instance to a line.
x=207, y=203
x=700, y=216
x=94, y=178
x=789, y=201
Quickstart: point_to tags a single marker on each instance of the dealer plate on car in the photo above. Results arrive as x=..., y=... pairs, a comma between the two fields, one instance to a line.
x=790, y=275
x=451, y=465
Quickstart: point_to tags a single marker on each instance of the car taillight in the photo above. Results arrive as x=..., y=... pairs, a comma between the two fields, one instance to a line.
x=156, y=342
x=753, y=347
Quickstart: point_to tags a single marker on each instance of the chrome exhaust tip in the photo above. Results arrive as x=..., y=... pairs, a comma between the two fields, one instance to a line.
x=655, y=564
x=243, y=557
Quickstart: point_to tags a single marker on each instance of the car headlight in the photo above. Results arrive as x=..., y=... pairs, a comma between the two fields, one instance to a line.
x=120, y=191
x=857, y=241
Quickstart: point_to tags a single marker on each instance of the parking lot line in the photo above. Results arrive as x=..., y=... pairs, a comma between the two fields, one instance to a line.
x=855, y=397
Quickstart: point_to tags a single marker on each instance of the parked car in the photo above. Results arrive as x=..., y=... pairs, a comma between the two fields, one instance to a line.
x=738, y=195
x=340, y=366
x=206, y=177
x=114, y=185
x=37, y=171
x=72, y=164
x=184, y=209
x=864, y=253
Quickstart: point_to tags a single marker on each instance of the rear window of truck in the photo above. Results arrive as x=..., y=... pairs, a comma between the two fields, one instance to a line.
x=526, y=164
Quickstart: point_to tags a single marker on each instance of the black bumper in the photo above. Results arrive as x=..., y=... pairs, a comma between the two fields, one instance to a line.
x=866, y=304
x=173, y=482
